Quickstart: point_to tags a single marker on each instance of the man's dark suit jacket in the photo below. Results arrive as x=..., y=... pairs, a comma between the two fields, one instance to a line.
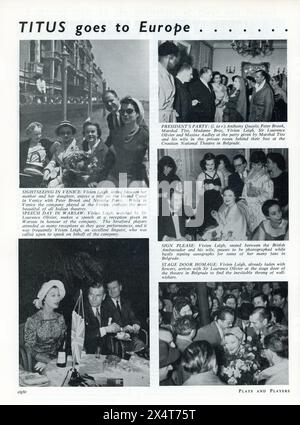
x=236, y=183
x=92, y=338
x=127, y=316
x=182, y=102
x=262, y=104
x=209, y=333
x=204, y=111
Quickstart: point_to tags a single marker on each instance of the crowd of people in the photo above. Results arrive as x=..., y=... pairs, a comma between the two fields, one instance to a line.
x=187, y=94
x=244, y=343
x=236, y=202
x=88, y=160
x=108, y=316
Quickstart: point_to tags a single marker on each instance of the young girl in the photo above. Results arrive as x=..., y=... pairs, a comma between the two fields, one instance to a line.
x=274, y=228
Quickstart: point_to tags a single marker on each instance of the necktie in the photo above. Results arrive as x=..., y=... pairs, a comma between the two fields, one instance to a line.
x=98, y=315
x=119, y=308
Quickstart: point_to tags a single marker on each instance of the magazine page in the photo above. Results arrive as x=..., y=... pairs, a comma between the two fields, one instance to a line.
x=149, y=231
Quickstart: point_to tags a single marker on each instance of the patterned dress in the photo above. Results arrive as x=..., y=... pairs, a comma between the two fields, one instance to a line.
x=44, y=336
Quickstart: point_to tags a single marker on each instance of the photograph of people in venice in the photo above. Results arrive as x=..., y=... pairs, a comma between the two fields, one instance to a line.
x=83, y=119
x=114, y=309
x=222, y=81
x=218, y=194
x=233, y=333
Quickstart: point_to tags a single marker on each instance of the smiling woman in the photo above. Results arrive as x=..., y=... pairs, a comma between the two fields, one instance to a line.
x=45, y=330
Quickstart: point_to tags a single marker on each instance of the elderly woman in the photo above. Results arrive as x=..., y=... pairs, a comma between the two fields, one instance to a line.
x=34, y=156
x=129, y=143
x=276, y=345
x=199, y=359
x=258, y=188
x=45, y=330
x=63, y=150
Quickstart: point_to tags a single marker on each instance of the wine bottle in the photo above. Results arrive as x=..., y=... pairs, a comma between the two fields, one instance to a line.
x=62, y=355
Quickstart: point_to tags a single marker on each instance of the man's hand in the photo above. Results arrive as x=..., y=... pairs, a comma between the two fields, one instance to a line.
x=195, y=102
x=113, y=328
x=40, y=366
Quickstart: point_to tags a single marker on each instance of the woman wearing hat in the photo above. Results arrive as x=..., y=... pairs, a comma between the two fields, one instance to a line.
x=45, y=330
x=63, y=149
x=129, y=143
x=240, y=361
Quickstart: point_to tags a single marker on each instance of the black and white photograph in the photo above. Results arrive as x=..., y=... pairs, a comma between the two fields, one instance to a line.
x=84, y=113
x=223, y=194
x=222, y=81
x=83, y=312
x=223, y=333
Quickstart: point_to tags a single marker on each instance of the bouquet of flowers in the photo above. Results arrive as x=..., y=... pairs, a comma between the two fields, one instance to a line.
x=241, y=368
x=78, y=168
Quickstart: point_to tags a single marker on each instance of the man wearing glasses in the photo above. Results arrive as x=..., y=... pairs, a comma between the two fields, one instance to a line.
x=236, y=180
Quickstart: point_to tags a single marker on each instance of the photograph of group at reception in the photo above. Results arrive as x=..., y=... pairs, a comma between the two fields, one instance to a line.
x=83, y=312
x=223, y=194
x=214, y=333
x=222, y=81
x=83, y=118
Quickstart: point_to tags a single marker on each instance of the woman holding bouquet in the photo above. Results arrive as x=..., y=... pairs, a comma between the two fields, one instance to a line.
x=239, y=364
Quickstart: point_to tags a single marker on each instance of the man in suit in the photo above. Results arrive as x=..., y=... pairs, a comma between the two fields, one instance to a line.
x=243, y=321
x=214, y=331
x=117, y=309
x=280, y=300
x=168, y=54
x=185, y=328
x=203, y=97
x=112, y=105
x=236, y=180
x=183, y=100
x=262, y=100
x=95, y=329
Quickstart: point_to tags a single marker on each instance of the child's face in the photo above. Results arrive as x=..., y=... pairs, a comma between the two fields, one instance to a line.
x=275, y=214
x=90, y=133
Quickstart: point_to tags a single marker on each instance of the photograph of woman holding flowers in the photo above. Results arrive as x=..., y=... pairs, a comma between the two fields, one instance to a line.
x=223, y=333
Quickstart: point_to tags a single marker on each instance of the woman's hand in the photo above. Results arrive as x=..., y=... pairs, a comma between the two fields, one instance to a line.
x=40, y=366
x=195, y=102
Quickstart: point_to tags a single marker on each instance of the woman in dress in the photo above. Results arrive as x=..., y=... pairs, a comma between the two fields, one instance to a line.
x=258, y=188
x=45, y=330
x=236, y=107
x=212, y=182
x=129, y=143
x=231, y=221
x=275, y=227
x=280, y=99
x=221, y=96
x=199, y=360
x=98, y=152
x=224, y=166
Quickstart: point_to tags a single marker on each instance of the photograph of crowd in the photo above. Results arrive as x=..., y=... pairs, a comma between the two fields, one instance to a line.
x=222, y=81
x=83, y=312
x=83, y=119
x=223, y=194
x=218, y=333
